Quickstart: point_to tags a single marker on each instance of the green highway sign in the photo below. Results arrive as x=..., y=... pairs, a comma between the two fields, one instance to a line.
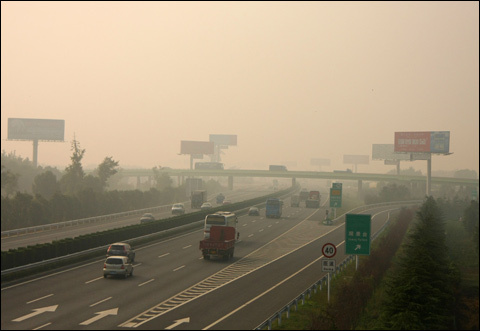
x=337, y=186
x=335, y=197
x=357, y=234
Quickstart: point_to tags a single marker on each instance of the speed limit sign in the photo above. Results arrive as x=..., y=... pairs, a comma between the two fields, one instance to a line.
x=329, y=250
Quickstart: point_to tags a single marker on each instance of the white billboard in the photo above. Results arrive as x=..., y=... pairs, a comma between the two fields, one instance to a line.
x=36, y=129
x=386, y=152
x=356, y=159
x=196, y=147
x=224, y=139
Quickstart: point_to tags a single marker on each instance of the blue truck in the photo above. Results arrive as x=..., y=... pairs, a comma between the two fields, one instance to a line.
x=273, y=208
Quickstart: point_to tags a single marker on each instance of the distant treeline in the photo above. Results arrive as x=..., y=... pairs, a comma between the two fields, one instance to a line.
x=25, y=210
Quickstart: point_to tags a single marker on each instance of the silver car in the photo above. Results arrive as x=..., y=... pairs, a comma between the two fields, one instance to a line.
x=117, y=266
x=178, y=209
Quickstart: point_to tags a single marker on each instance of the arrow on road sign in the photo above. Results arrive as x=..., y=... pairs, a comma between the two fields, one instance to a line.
x=178, y=322
x=36, y=312
x=358, y=247
x=100, y=314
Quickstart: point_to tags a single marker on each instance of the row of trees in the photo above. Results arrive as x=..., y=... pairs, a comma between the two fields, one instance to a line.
x=421, y=293
x=56, y=197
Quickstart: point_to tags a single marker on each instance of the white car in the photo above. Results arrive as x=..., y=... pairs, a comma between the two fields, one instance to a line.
x=206, y=205
x=147, y=218
x=178, y=209
x=117, y=266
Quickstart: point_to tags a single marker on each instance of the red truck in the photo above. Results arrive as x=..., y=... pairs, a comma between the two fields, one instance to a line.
x=221, y=242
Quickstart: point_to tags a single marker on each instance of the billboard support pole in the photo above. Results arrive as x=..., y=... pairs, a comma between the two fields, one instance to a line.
x=35, y=152
x=429, y=176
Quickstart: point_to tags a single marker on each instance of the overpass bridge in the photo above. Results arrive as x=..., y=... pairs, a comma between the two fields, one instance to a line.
x=359, y=177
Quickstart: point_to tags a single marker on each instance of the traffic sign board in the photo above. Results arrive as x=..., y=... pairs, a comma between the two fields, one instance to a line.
x=335, y=197
x=329, y=250
x=328, y=265
x=337, y=186
x=357, y=234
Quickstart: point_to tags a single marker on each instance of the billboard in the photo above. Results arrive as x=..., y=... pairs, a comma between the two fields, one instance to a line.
x=224, y=139
x=35, y=129
x=386, y=152
x=196, y=147
x=423, y=142
x=356, y=159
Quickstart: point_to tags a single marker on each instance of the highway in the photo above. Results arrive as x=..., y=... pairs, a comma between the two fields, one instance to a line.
x=174, y=288
x=33, y=238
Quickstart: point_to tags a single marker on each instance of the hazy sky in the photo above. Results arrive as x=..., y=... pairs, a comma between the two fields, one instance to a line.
x=293, y=80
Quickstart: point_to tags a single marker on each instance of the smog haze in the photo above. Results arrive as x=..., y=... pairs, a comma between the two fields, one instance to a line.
x=294, y=81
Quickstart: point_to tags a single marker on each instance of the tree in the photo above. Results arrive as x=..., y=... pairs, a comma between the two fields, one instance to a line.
x=162, y=180
x=106, y=169
x=421, y=293
x=45, y=184
x=470, y=221
x=9, y=181
x=72, y=180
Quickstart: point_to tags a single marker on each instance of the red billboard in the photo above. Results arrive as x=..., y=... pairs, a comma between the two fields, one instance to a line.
x=412, y=141
x=196, y=147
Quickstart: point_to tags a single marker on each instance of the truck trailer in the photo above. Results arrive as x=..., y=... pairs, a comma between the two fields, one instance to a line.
x=221, y=243
x=313, y=200
x=198, y=198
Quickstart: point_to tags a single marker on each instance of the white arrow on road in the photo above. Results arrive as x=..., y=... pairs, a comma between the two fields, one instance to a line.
x=100, y=314
x=36, y=312
x=178, y=322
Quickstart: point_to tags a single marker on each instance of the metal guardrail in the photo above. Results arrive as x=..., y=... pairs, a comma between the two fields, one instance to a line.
x=38, y=228
x=323, y=281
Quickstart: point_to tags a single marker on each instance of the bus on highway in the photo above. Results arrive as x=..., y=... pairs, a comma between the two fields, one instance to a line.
x=220, y=218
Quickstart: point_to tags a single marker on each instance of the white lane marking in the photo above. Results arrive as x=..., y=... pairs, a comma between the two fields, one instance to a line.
x=94, y=304
x=183, y=266
x=41, y=326
x=164, y=255
x=148, y=281
x=87, y=282
x=40, y=298
x=250, y=235
x=187, y=246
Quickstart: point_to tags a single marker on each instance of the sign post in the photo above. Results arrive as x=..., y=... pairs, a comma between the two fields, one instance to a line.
x=328, y=250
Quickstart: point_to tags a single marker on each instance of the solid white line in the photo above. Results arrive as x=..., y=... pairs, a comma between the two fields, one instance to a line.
x=40, y=298
x=148, y=281
x=262, y=294
x=94, y=304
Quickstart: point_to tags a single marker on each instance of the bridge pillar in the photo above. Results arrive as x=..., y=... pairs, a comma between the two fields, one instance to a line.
x=360, y=184
x=294, y=181
x=230, y=182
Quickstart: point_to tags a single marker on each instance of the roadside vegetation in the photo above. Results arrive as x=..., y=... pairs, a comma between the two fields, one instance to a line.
x=38, y=196
x=422, y=274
